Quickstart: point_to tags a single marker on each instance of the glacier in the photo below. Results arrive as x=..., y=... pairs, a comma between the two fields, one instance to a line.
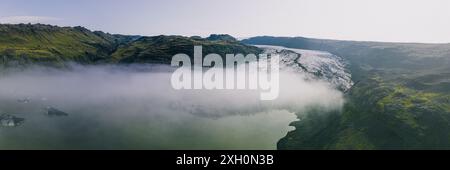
x=315, y=64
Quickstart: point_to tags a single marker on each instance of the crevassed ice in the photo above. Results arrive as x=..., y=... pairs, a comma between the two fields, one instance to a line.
x=317, y=64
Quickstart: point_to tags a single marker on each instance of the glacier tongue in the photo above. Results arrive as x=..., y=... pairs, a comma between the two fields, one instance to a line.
x=316, y=64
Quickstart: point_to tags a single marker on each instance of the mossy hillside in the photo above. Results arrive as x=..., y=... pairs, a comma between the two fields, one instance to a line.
x=26, y=43
x=160, y=49
x=377, y=115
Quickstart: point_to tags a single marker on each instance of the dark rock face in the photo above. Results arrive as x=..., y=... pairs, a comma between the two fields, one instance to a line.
x=55, y=112
x=7, y=120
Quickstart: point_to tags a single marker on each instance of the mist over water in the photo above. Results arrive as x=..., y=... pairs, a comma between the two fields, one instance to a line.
x=135, y=107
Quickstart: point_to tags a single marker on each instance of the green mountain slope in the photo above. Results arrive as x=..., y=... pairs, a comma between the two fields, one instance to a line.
x=26, y=44
x=160, y=49
x=402, y=100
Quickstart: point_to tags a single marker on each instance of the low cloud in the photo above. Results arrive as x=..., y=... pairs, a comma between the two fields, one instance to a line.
x=114, y=107
x=111, y=85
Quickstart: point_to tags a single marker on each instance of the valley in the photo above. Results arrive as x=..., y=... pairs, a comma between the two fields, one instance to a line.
x=400, y=100
x=345, y=94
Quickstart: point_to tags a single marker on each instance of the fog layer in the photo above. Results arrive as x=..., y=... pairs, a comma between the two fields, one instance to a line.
x=135, y=107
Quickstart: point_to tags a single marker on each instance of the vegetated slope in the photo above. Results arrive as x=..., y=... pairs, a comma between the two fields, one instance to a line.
x=401, y=99
x=160, y=49
x=26, y=44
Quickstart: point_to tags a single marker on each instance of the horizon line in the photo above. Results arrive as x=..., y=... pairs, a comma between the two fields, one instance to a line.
x=239, y=38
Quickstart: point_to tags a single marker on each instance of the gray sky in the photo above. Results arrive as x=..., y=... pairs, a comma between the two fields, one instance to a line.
x=375, y=20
